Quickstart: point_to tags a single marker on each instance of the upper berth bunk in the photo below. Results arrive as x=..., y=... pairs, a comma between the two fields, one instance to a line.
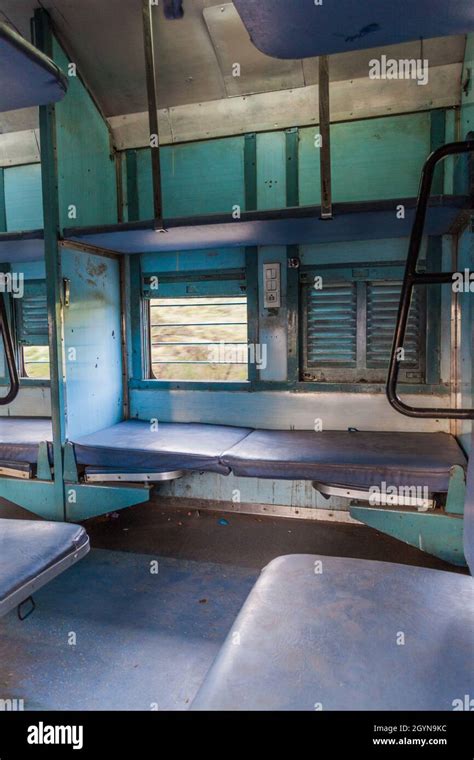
x=96, y=226
x=367, y=220
x=27, y=76
x=21, y=246
x=308, y=28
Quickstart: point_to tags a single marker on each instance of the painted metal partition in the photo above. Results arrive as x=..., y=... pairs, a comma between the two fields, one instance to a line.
x=83, y=290
x=92, y=342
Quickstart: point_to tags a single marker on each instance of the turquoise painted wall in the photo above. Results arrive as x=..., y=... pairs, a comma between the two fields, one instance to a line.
x=376, y=158
x=23, y=197
x=197, y=178
x=371, y=159
x=86, y=167
x=193, y=261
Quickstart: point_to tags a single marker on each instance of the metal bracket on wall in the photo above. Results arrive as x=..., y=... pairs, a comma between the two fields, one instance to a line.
x=71, y=474
x=153, y=113
x=43, y=468
x=436, y=532
x=84, y=500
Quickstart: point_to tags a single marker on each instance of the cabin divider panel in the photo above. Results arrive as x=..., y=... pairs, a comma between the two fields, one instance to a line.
x=92, y=343
x=85, y=157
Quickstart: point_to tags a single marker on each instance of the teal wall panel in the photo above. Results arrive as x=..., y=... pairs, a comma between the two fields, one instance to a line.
x=371, y=159
x=31, y=270
x=290, y=493
x=198, y=178
x=357, y=251
x=92, y=340
x=271, y=170
x=194, y=261
x=23, y=197
x=281, y=409
x=86, y=171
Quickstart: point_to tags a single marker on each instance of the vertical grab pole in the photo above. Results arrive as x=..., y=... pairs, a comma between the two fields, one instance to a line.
x=413, y=278
x=9, y=356
x=152, y=112
x=54, y=281
x=324, y=129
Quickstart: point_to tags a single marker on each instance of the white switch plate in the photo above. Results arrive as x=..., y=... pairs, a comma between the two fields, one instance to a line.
x=271, y=286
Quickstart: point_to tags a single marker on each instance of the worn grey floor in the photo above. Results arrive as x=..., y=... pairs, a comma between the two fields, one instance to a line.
x=162, y=528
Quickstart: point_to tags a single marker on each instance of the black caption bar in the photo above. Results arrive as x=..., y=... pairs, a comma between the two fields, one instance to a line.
x=72, y=734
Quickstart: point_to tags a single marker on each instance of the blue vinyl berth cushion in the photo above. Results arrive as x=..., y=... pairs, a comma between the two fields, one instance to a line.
x=326, y=633
x=32, y=552
x=349, y=459
x=304, y=28
x=135, y=444
x=27, y=76
x=321, y=633
x=20, y=438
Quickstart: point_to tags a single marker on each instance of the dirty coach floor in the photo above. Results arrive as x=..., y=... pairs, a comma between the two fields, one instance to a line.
x=138, y=622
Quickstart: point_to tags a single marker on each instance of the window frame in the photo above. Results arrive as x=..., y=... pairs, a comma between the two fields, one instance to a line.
x=138, y=373
x=31, y=285
x=359, y=376
x=228, y=283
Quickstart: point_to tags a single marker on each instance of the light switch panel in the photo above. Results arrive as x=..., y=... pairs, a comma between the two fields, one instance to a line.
x=271, y=286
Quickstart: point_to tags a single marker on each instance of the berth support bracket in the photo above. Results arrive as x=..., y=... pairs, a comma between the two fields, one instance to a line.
x=456, y=491
x=38, y=496
x=43, y=467
x=434, y=532
x=84, y=500
x=71, y=474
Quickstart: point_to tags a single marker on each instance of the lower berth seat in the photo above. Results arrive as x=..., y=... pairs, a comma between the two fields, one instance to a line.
x=341, y=458
x=329, y=638
x=358, y=459
x=34, y=552
x=134, y=444
x=20, y=438
x=345, y=634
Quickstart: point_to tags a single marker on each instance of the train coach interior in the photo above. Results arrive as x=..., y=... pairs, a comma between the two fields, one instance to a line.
x=237, y=355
